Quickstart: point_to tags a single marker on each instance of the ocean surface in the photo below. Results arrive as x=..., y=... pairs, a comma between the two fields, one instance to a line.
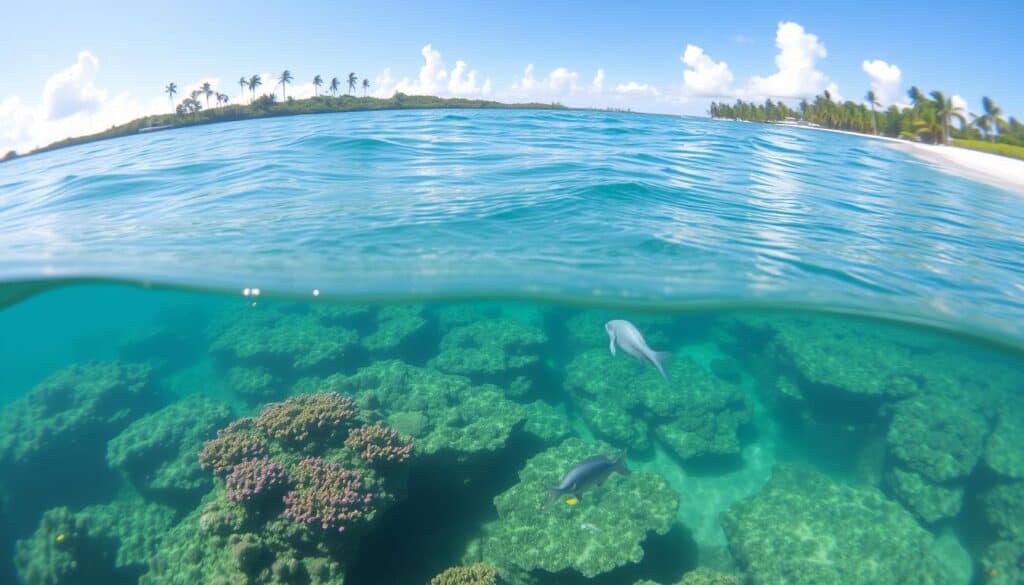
x=363, y=347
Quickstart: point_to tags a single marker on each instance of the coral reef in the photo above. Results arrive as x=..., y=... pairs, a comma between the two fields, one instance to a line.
x=397, y=329
x=329, y=497
x=254, y=385
x=1003, y=507
x=158, y=452
x=546, y=422
x=937, y=437
x=62, y=551
x=475, y=574
x=235, y=443
x=504, y=352
x=695, y=414
x=806, y=528
x=605, y=530
x=308, y=420
x=441, y=412
x=255, y=480
x=379, y=445
x=928, y=501
x=1003, y=452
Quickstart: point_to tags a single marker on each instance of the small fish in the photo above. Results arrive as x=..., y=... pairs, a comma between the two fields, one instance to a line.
x=626, y=336
x=590, y=472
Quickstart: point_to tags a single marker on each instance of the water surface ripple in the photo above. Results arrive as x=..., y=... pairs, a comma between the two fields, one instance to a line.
x=650, y=209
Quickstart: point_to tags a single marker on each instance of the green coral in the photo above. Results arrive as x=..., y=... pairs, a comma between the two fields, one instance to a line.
x=929, y=501
x=806, y=528
x=505, y=352
x=937, y=437
x=475, y=574
x=460, y=418
x=605, y=530
x=695, y=414
x=159, y=452
x=396, y=328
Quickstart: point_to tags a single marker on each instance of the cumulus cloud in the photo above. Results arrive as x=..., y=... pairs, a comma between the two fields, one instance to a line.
x=634, y=88
x=72, y=90
x=71, y=104
x=597, y=85
x=885, y=80
x=560, y=82
x=705, y=76
x=797, y=75
x=434, y=79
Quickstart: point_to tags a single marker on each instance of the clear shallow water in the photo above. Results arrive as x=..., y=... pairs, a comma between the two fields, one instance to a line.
x=653, y=209
x=789, y=446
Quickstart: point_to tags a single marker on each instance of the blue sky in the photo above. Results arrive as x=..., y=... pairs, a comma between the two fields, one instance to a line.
x=74, y=67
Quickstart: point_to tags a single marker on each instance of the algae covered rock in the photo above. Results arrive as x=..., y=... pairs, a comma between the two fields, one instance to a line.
x=694, y=414
x=62, y=551
x=605, y=530
x=547, y=423
x=1004, y=451
x=806, y=528
x=442, y=412
x=1002, y=564
x=937, y=437
x=159, y=452
x=1003, y=507
x=397, y=330
x=928, y=501
x=254, y=385
x=504, y=352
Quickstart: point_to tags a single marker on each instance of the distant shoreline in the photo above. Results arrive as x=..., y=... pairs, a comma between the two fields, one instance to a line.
x=266, y=108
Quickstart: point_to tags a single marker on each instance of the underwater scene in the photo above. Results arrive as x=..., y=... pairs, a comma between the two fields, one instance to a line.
x=173, y=437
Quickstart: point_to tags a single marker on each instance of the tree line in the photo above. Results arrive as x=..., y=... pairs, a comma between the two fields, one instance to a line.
x=933, y=118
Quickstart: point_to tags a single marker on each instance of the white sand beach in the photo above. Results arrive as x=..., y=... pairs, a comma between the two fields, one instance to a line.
x=1001, y=171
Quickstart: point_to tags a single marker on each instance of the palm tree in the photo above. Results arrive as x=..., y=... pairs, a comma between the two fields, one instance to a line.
x=335, y=85
x=945, y=110
x=873, y=101
x=222, y=98
x=207, y=90
x=317, y=82
x=351, y=82
x=991, y=120
x=916, y=97
x=283, y=81
x=366, y=86
x=254, y=82
x=242, y=84
x=170, y=90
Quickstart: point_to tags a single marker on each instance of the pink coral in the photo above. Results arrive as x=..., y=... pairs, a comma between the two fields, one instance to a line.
x=234, y=443
x=329, y=496
x=378, y=444
x=254, y=480
x=308, y=417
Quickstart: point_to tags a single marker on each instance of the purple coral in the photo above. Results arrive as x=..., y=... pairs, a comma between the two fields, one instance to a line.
x=328, y=496
x=307, y=417
x=234, y=443
x=378, y=444
x=254, y=480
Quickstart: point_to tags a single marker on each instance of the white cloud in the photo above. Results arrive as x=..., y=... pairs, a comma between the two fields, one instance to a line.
x=597, y=85
x=434, y=79
x=71, y=104
x=561, y=81
x=384, y=84
x=833, y=90
x=704, y=76
x=634, y=88
x=72, y=91
x=960, y=105
x=742, y=40
x=797, y=75
x=885, y=81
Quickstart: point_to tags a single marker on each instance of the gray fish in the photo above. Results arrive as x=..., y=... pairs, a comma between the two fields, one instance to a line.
x=626, y=336
x=588, y=473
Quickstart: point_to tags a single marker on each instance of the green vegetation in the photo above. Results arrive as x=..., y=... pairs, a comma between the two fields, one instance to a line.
x=933, y=118
x=190, y=112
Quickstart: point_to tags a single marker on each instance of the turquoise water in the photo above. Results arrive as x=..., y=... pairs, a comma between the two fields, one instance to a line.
x=844, y=323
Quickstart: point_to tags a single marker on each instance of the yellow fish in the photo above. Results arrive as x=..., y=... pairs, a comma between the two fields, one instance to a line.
x=60, y=539
x=571, y=502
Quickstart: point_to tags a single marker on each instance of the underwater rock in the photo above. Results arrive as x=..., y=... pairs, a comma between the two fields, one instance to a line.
x=547, y=423
x=254, y=385
x=806, y=528
x=928, y=501
x=134, y=526
x=937, y=437
x=1003, y=506
x=1002, y=563
x=1004, y=453
x=397, y=330
x=503, y=352
x=604, y=530
x=284, y=342
x=62, y=551
x=475, y=574
x=159, y=452
x=694, y=415
x=461, y=419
